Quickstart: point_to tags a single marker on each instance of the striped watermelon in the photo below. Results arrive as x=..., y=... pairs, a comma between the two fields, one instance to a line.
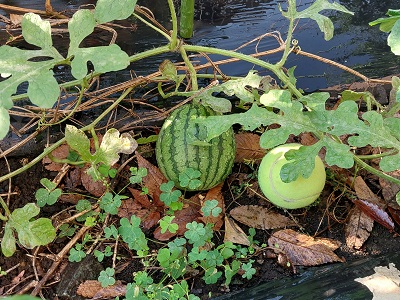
x=181, y=145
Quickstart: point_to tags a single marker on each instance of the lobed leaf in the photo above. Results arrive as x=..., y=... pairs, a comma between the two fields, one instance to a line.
x=78, y=141
x=113, y=144
x=239, y=88
x=36, y=31
x=80, y=26
x=313, y=12
x=104, y=59
x=109, y=10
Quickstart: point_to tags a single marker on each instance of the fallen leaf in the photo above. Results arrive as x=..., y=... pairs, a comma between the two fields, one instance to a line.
x=149, y=217
x=60, y=152
x=153, y=180
x=96, y=188
x=260, y=217
x=375, y=212
x=140, y=197
x=395, y=213
x=16, y=19
x=390, y=189
x=358, y=228
x=364, y=192
x=188, y=214
x=93, y=289
x=214, y=194
x=248, y=147
x=303, y=250
x=235, y=234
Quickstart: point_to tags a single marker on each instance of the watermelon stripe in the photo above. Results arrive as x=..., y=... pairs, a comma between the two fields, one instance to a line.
x=175, y=153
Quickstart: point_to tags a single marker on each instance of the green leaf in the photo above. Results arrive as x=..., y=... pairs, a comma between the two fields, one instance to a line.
x=18, y=63
x=110, y=203
x=168, y=70
x=137, y=174
x=5, y=121
x=132, y=234
x=45, y=197
x=253, y=118
x=109, y=10
x=76, y=254
x=80, y=26
x=113, y=144
x=169, y=195
x=189, y=178
x=211, y=207
x=237, y=87
x=313, y=12
x=393, y=39
x=104, y=59
x=8, y=246
x=166, y=224
x=78, y=141
x=106, y=277
x=36, y=31
x=48, y=184
x=31, y=233
x=301, y=162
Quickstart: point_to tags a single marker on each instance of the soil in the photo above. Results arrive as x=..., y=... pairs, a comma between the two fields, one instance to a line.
x=323, y=220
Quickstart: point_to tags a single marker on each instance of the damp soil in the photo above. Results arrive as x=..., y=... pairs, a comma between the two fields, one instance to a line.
x=327, y=218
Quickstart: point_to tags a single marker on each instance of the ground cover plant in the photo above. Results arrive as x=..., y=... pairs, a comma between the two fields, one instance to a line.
x=118, y=206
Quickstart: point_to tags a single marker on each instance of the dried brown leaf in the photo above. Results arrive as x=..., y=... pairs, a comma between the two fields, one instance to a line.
x=93, y=289
x=248, y=147
x=214, y=194
x=188, y=214
x=358, y=228
x=153, y=180
x=234, y=234
x=96, y=188
x=363, y=192
x=390, y=189
x=303, y=250
x=16, y=19
x=60, y=152
x=140, y=197
x=375, y=212
x=395, y=213
x=149, y=217
x=260, y=217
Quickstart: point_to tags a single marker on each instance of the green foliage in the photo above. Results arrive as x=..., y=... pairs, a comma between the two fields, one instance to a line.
x=169, y=195
x=20, y=66
x=30, y=232
x=108, y=152
x=166, y=224
x=248, y=269
x=100, y=255
x=313, y=12
x=327, y=125
x=132, y=235
x=47, y=195
x=211, y=207
x=110, y=203
x=391, y=24
x=189, y=178
x=137, y=175
x=76, y=254
x=106, y=277
x=83, y=205
x=198, y=234
x=239, y=88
